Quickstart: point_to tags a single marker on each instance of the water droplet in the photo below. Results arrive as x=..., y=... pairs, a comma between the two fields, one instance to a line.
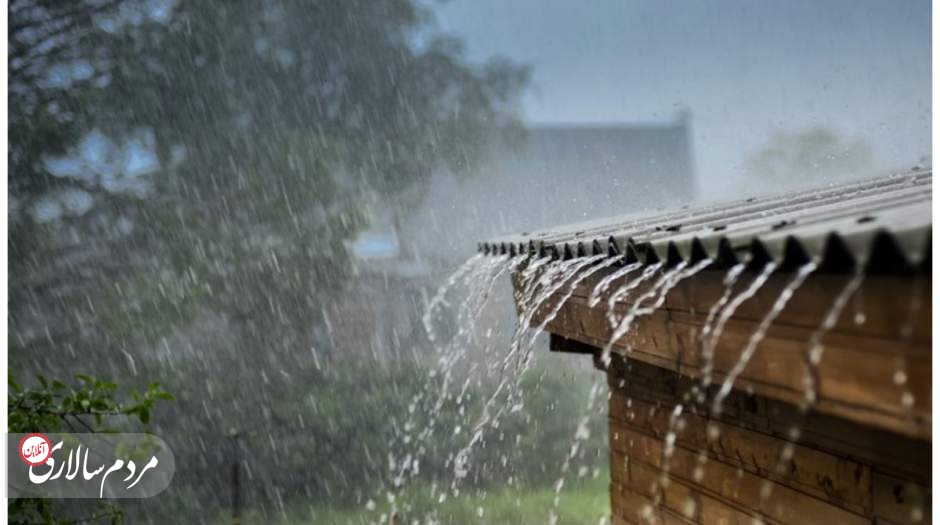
x=907, y=399
x=900, y=377
x=713, y=432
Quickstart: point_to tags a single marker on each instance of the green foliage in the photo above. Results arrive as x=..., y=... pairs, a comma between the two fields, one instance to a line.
x=34, y=511
x=585, y=502
x=53, y=406
x=327, y=435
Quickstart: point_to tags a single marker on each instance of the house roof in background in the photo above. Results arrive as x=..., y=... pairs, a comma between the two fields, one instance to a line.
x=883, y=225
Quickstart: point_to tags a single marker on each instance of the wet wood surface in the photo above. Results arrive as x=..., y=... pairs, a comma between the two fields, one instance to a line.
x=876, y=365
x=839, y=471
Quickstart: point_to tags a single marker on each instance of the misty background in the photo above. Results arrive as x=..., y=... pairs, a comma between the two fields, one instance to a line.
x=778, y=96
x=253, y=204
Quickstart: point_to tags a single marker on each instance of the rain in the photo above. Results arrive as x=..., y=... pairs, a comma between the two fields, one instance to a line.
x=263, y=232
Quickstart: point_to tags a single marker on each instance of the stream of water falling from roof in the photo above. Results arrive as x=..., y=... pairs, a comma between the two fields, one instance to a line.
x=479, y=275
x=579, y=273
x=578, y=279
x=658, y=293
x=439, y=297
x=812, y=357
x=582, y=433
x=759, y=333
x=695, y=393
x=729, y=281
x=604, y=284
x=621, y=293
x=542, y=282
x=906, y=336
x=812, y=383
x=726, y=313
x=543, y=286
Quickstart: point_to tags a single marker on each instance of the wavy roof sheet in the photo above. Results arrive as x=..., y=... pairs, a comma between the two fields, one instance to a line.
x=882, y=225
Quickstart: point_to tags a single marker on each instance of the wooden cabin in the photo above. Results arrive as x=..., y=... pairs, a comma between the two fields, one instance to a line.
x=857, y=452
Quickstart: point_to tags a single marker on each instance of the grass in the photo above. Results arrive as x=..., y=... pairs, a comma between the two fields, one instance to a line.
x=584, y=503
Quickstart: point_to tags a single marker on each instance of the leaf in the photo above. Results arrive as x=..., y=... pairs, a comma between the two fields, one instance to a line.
x=13, y=384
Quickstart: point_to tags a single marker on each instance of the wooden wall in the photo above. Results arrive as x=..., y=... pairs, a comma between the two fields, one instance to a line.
x=857, y=373
x=840, y=471
x=863, y=454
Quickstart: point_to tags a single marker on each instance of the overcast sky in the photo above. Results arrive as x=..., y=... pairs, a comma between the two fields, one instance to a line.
x=743, y=68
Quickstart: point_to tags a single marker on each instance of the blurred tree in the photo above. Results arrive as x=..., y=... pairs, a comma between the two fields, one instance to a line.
x=269, y=120
x=190, y=165
x=814, y=152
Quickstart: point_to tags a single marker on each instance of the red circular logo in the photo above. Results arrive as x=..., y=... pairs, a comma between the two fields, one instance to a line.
x=35, y=449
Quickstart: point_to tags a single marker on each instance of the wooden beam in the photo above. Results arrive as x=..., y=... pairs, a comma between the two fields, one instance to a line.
x=860, y=369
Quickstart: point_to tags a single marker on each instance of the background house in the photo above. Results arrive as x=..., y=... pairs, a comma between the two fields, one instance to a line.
x=557, y=174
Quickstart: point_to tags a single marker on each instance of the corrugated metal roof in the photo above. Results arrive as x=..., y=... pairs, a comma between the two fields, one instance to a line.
x=883, y=224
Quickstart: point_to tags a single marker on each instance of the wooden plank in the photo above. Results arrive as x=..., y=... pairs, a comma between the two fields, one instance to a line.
x=901, y=501
x=679, y=498
x=847, y=373
x=857, y=374
x=633, y=507
x=888, y=452
x=885, y=310
x=785, y=505
x=838, y=480
x=619, y=520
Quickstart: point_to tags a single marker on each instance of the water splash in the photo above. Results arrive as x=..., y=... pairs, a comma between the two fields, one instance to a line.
x=581, y=434
x=695, y=392
x=479, y=275
x=578, y=279
x=758, y=335
x=658, y=292
x=718, y=316
x=811, y=381
x=580, y=273
x=729, y=310
x=814, y=354
x=604, y=284
x=539, y=285
x=439, y=297
x=622, y=292
x=906, y=336
x=668, y=449
x=708, y=353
